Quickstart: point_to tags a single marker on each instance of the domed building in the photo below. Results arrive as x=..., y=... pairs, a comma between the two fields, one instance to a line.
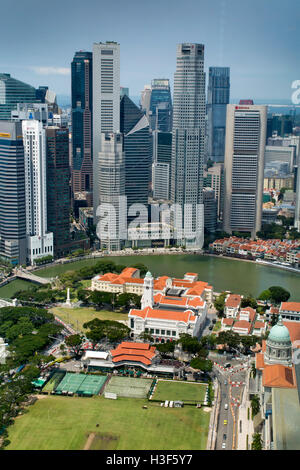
x=279, y=345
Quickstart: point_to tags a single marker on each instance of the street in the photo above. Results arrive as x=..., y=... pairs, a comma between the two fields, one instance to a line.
x=232, y=383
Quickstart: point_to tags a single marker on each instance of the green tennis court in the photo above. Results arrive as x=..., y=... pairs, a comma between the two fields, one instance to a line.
x=92, y=384
x=129, y=387
x=70, y=383
x=54, y=381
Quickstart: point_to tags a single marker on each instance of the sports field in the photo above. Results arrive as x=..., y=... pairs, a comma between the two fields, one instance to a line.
x=129, y=387
x=184, y=391
x=70, y=423
x=76, y=317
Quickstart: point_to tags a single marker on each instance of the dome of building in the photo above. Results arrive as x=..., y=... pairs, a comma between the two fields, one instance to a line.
x=148, y=274
x=279, y=333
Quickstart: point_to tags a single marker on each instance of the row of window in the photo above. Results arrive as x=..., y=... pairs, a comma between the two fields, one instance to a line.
x=153, y=331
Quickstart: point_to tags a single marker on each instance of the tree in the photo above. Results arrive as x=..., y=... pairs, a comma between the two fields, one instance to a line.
x=253, y=370
x=74, y=342
x=95, y=335
x=83, y=295
x=146, y=337
x=256, y=441
x=255, y=405
x=265, y=295
x=112, y=330
x=201, y=364
x=219, y=304
x=189, y=344
x=274, y=319
x=248, y=301
x=279, y=294
x=99, y=298
x=127, y=300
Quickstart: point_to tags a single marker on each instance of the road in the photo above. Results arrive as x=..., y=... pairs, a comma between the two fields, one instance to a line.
x=232, y=382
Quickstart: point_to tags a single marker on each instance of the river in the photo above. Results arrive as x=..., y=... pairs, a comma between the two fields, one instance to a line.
x=240, y=277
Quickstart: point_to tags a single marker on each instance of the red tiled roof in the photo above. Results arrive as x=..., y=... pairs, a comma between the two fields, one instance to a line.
x=137, y=352
x=242, y=324
x=149, y=312
x=259, y=324
x=278, y=375
x=290, y=306
x=227, y=321
x=233, y=300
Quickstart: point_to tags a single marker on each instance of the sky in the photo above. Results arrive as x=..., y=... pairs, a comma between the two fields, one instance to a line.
x=257, y=39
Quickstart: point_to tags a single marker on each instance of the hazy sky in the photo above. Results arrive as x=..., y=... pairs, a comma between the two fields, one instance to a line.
x=258, y=39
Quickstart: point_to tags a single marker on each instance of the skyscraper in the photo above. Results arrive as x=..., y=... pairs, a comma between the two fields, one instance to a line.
x=39, y=240
x=160, y=106
x=136, y=144
x=111, y=179
x=217, y=98
x=12, y=190
x=58, y=193
x=12, y=92
x=246, y=128
x=106, y=101
x=161, y=168
x=188, y=141
x=82, y=118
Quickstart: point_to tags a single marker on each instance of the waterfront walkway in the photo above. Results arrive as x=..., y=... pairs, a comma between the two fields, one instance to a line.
x=22, y=274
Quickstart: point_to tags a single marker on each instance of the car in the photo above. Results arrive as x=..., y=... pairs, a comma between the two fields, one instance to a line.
x=227, y=365
x=226, y=406
x=225, y=383
x=224, y=445
x=210, y=327
x=225, y=422
x=224, y=437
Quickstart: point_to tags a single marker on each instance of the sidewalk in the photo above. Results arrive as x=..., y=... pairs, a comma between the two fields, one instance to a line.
x=244, y=424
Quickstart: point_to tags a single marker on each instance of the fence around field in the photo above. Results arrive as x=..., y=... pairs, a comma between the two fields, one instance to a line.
x=129, y=387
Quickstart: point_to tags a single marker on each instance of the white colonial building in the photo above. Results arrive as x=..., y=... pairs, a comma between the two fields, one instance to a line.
x=166, y=317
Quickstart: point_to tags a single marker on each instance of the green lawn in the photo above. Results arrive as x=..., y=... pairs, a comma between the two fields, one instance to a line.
x=78, y=316
x=64, y=423
x=173, y=390
x=217, y=326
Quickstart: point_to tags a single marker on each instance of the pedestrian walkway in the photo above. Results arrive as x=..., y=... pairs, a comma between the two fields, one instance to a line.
x=245, y=425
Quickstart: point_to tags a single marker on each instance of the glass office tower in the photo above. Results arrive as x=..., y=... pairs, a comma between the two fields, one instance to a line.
x=12, y=92
x=217, y=99
x=82, y=115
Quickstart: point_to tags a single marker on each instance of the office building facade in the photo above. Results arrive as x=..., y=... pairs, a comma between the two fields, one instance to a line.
x=160, y=106
x=82, y=121
x=106, y=102
x=244, y=167
x=58, y=191
x=39, y=240
x=188, y=143
x=134, y=126
x=12, y=190
x=218, y=95
x=111, y=227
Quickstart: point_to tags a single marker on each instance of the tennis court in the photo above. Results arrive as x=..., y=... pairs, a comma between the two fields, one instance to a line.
x=54, y=381
x=129, y=387
x=92, y=384
x=70, y=383
x=81, y=384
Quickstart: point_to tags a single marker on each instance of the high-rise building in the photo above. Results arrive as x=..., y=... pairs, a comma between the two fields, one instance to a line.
x=214, y=179
x=145, y=99
x=39, y=240
x=161, y=168
x=297, y=188
x=12, y=190
x=134, y=126
x=106, y=102
x=217, y=99
x=58, y=192
x=210, y=209
x=160, y=106
x=82, y=118
x=12, y=92
x=188, y=142
x=244, y=167
x=111, y=179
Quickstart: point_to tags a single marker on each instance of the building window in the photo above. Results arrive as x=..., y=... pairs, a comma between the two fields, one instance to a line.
x=168, y=332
